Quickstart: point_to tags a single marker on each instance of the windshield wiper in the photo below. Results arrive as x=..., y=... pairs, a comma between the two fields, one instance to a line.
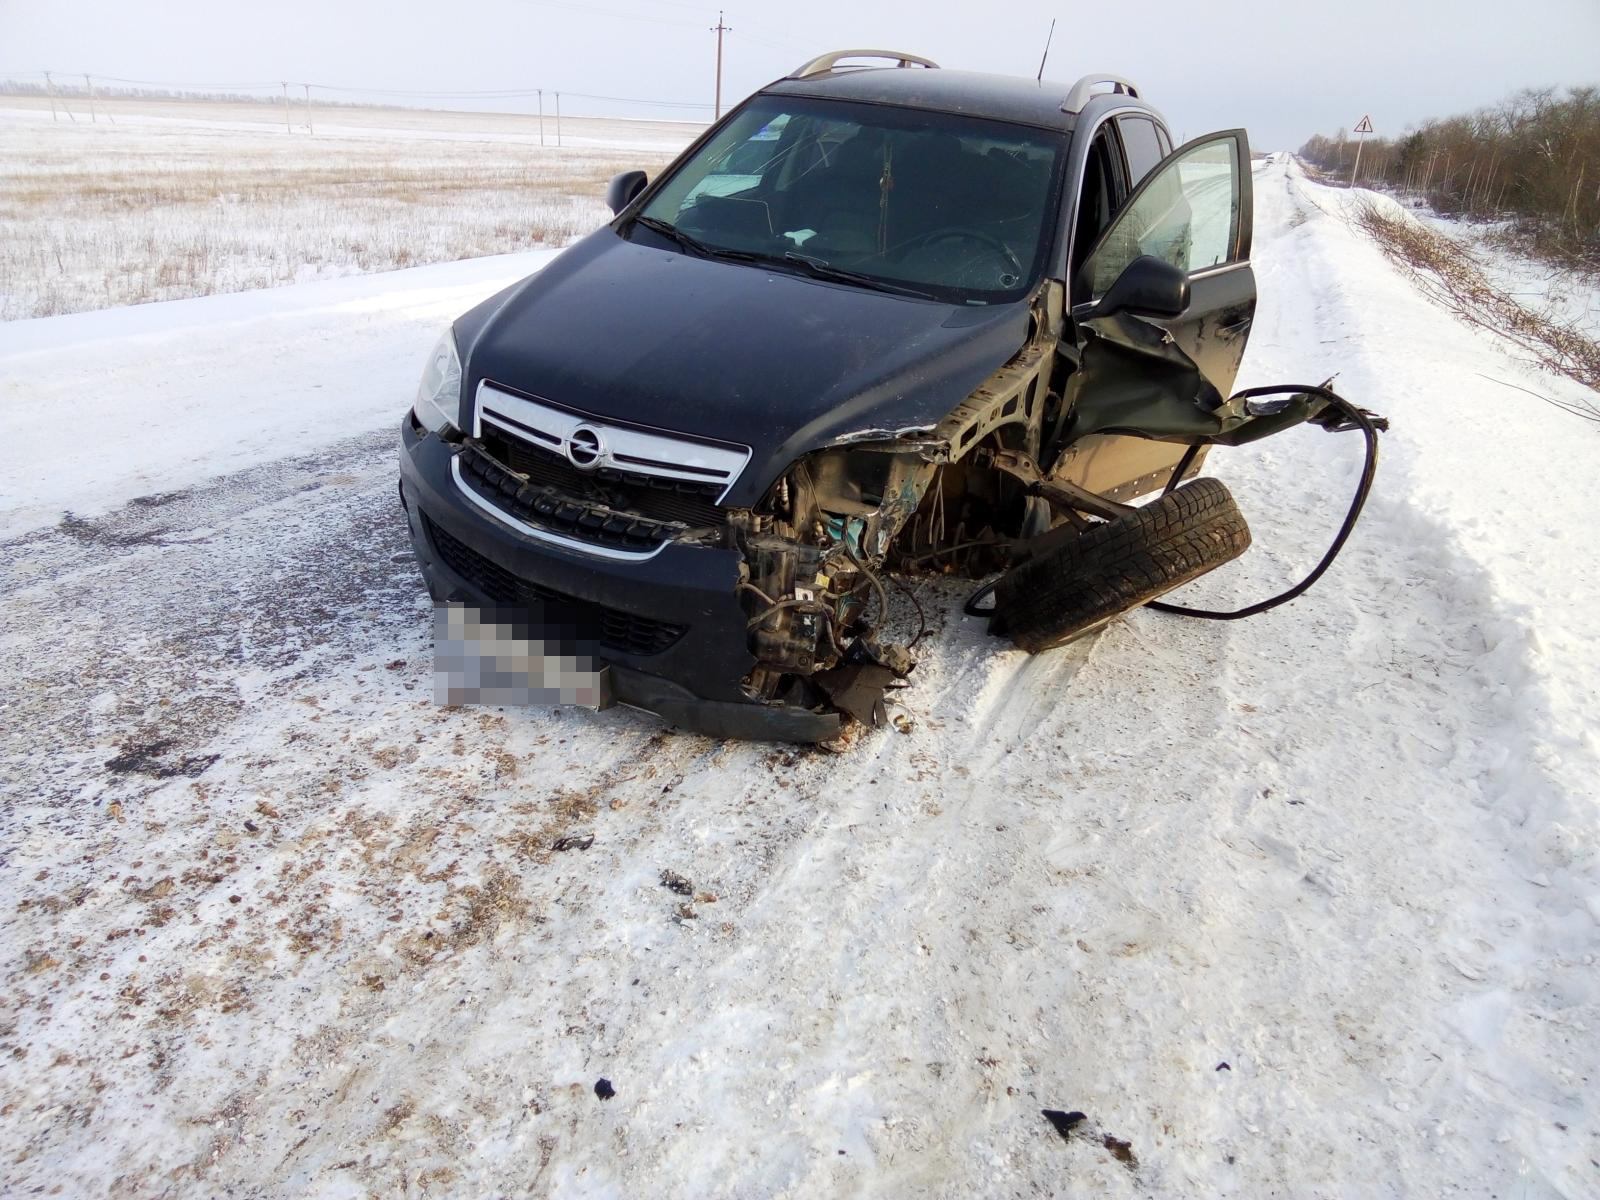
x=673, y=234
x=821, y=270
x=816, y=268
x=695, y=246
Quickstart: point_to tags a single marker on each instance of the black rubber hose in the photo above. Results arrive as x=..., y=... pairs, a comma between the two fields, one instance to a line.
x=1368, y=431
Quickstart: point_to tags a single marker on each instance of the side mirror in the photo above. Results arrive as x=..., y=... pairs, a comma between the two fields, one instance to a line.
x=1147, y=287
x=623, y=188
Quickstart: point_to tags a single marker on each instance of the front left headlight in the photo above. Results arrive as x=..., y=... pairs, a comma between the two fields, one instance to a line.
x=438, y=403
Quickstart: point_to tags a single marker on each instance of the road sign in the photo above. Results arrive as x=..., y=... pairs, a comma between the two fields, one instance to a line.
x=1363, y=126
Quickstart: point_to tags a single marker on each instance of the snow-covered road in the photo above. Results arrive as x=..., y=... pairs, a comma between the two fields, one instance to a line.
x=1306, y=905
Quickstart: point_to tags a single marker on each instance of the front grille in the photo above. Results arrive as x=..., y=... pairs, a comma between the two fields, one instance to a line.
x=656, y=497
x=548, y=509
x=611, y=627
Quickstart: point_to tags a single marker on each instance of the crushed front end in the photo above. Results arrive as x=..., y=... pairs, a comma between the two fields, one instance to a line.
x=644, y=576
x=764, y=620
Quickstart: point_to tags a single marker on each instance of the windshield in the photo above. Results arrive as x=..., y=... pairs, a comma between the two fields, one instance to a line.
x=929, y=203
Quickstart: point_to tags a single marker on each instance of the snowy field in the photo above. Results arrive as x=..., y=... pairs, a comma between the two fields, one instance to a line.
x=1306, y=905
x=159, y=200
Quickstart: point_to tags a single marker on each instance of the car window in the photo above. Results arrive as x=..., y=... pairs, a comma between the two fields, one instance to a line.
x=742, y=164
x=951, y=205
x=1165, y=140
x=1187, y=213
x=1100, y=193
x=1139, y=140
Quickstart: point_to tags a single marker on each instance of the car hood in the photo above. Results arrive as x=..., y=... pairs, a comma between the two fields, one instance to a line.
x=781, y=363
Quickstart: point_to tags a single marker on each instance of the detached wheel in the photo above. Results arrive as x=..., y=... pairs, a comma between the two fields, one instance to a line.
x=1076, y=587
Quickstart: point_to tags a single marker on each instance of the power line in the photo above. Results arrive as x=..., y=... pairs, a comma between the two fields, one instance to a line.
x=770, y=33
x=626, y=100
x=771, y=44
x=241, y=87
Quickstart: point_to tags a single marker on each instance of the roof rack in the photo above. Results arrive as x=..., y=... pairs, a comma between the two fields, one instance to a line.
x=1083, y=91
x=825, y=63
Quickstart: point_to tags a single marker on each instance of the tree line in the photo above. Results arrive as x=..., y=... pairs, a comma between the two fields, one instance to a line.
x=1532, y=160
x=67, y=90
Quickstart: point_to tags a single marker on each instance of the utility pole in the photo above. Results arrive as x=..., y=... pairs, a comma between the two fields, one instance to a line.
x=89, y=83
x=558, y=118
x=286, y=126
x=719, y=29
x=307, y=87
x=50, y=87
x=540, y=91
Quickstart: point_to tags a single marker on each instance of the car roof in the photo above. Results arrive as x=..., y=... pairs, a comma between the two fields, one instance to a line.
x=973, y=93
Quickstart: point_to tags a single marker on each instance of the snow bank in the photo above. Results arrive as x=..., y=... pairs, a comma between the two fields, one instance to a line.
x=126, y=402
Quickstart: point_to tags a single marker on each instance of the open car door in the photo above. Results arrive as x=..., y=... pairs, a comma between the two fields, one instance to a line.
x=1147, y=385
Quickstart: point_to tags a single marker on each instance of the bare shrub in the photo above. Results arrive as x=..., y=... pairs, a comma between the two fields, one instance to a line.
x=1447, y=271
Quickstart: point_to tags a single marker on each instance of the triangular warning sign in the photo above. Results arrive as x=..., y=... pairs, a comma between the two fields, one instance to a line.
x=1365, y=126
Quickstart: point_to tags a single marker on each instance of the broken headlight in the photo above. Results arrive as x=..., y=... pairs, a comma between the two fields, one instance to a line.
x=438, y=403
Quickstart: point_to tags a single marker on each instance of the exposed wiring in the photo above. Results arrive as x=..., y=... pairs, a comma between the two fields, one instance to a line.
x=959, y=546
x=922, y=617
x=781, y=605
x=877, y=584
x=747, y=586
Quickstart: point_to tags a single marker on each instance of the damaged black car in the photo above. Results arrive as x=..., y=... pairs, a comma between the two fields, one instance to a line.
x=880, y=319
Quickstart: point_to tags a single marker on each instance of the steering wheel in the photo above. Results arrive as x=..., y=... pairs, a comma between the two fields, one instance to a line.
x=953, y=233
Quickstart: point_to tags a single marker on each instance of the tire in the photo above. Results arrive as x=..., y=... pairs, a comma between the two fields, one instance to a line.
x=1074, y=588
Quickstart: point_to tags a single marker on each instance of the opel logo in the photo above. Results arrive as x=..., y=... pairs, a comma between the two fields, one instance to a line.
x=585, y=448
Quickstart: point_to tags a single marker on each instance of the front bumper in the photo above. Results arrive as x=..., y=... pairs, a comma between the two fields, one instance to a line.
x=693, y=683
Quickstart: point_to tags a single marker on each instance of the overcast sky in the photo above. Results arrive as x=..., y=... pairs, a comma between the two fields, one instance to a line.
x=1282, y=69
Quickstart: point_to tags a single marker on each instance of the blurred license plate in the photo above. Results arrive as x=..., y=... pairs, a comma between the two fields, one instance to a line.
x=515, y=655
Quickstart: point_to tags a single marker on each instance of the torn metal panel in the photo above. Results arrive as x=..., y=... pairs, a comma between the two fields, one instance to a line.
x=1015, y=395
x=961, y=494
x=884, y=435
x=1134, y=379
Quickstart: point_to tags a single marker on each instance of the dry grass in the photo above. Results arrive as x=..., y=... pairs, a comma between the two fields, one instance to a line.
x=156, y=208
x=1446, y=270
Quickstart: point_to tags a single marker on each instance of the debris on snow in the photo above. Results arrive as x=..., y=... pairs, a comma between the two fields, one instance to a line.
x=1120, y=1150
x=1063, y=1122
